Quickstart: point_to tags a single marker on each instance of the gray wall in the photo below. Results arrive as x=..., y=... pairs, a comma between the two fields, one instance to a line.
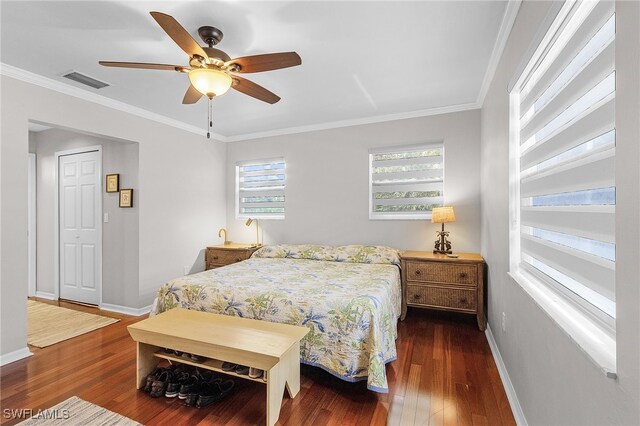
x=180, y=193
x=119, y=236
x=327, y=193
x=555, y=381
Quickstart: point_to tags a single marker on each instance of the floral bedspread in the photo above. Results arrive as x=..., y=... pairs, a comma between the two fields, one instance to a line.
x=351, y=309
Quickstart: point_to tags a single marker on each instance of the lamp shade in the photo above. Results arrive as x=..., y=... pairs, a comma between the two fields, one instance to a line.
x=210, y=82
x=443, y=214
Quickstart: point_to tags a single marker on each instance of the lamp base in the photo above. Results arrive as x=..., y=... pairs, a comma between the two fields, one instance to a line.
x=442, y=244
x=442, y=252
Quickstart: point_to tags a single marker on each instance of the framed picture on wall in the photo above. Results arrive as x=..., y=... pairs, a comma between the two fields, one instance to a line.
x=113, y=182
x=126, y=197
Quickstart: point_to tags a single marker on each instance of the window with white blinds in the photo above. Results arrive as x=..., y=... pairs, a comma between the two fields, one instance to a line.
x=563, y=202
x=406, y=182
x=260, y=189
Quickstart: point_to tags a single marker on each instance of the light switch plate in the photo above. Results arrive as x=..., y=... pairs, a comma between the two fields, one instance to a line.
x=106, y=218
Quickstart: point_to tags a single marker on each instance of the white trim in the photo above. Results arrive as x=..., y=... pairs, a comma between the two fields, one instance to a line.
x=516, y=408
x=538, y=38
x=56, y=224
x=592, y=338
x=355, y=122
x=508, y=19
x=135, y=312
x=15, y=356
x=46, y=295
x=33, y=226
x=48, y=83
x=58, y=86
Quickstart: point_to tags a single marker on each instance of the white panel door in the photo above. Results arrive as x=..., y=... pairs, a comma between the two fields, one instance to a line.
x=79, y=190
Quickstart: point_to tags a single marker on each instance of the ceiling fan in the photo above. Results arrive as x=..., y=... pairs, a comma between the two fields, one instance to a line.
x=211, y=71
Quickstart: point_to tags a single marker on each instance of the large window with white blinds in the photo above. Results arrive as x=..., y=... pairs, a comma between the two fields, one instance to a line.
x=406, y=182
x=563, y=195
x=260, y=189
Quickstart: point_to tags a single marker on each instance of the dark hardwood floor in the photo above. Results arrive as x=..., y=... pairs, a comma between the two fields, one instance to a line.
x=444, y=375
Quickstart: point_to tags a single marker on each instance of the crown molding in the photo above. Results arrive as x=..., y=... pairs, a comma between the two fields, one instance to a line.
x=355, y=122
x=48, y=83
x=57, y=86
x=508, y=19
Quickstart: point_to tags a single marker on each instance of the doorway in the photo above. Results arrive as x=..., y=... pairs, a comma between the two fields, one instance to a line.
x=79, y=225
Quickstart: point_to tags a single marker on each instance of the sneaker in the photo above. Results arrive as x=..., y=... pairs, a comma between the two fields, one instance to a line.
x=228, y=366
x=187, y=386
x=255, y=373
x=176, y=382
x=194, y=393
x=159, y=386
x=243, y=370
x=214, y=392
x=151, y=378
x=197, y=358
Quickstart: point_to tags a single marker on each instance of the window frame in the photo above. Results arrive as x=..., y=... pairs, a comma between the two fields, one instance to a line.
x=261, y=216
x=587, y=326
x=422, y=215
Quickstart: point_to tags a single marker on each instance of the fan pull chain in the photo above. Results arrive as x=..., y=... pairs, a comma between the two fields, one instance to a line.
x=210, y=119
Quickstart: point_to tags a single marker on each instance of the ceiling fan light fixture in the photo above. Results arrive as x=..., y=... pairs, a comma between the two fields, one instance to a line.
x=210, y=82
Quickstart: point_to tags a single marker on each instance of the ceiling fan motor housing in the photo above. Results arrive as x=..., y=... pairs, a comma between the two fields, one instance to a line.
x=210, y=35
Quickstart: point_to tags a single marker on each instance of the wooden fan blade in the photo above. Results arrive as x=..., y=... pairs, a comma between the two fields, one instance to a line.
x=266, y=62
x=252, y=89
x=179, y=34
x=142, y=65
x=192, y=96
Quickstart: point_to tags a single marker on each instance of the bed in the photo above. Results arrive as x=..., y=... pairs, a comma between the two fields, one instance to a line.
x=348, y=296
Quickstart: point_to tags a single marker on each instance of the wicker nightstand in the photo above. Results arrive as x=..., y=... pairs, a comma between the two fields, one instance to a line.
x=436, y=281
x=226, y=254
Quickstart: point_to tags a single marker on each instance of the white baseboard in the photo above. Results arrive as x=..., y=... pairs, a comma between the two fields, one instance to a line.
x=46, y=295
x=135, y=312
x=521, y=420
x=14, y=356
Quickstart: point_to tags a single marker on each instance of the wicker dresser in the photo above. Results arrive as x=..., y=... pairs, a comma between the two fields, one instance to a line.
x=436, y=281
x=226, y=254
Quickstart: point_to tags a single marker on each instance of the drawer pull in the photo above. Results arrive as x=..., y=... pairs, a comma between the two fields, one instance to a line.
x=463, y=275
x=463, y=300
x=416, y=296
x=417, y=271
x=238, y=259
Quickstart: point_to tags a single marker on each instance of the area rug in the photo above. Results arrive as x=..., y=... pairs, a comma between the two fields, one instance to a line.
x=77, y=412
x=49, y=324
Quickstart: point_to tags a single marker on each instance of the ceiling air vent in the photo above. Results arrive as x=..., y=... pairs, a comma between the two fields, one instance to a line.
x=85, y=79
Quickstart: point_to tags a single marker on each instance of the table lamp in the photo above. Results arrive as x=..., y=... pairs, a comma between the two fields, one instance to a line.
x=248, y=223
x=442, y=215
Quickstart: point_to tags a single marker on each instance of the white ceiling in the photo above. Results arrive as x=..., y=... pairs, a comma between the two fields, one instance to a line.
x=360, y=60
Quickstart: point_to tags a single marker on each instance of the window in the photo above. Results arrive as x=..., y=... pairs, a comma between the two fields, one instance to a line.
x=406, y=182
x=563, y=191
x=260, y=189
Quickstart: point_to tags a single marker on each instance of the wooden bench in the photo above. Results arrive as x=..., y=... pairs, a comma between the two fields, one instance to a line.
x=272, y=347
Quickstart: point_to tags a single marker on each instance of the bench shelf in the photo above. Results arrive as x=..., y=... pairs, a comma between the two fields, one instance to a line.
x=209, y=364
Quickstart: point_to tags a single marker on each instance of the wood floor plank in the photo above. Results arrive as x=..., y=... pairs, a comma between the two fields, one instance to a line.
x=410, y=406
x=444, y=374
